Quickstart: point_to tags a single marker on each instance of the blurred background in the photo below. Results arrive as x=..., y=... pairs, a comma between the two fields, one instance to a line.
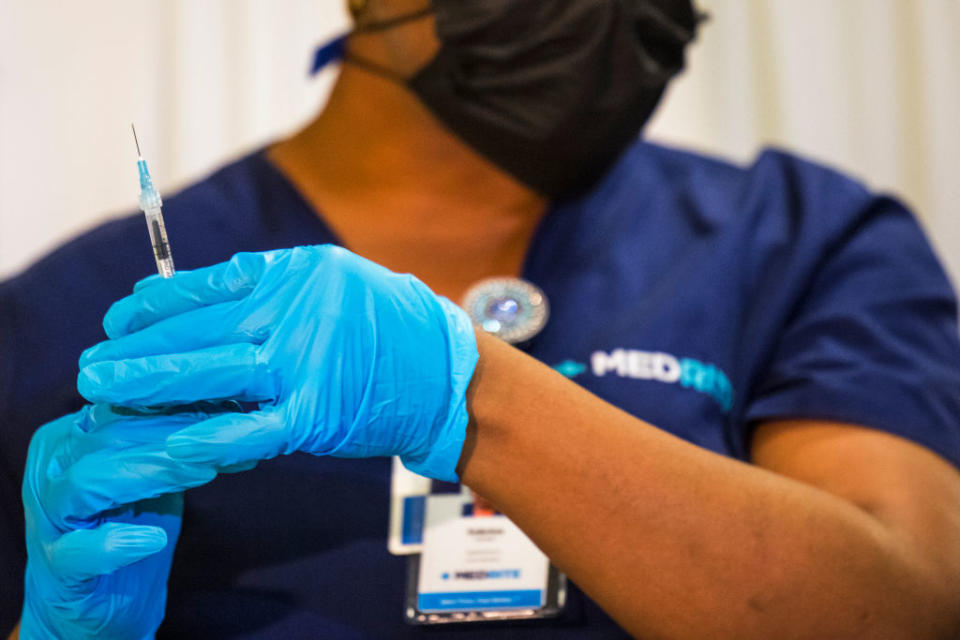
x=871, y=87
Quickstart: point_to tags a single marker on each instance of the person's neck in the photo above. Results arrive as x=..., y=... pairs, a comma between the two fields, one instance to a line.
x=400, y=189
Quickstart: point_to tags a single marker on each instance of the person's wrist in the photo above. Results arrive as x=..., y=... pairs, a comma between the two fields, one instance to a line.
x=481, y=406
x=505, y=396
x=470, y=439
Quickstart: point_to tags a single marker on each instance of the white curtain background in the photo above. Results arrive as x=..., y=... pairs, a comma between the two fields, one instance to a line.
x=871, y=87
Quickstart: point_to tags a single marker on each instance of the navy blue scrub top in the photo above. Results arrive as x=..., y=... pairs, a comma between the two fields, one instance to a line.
x=698, y=296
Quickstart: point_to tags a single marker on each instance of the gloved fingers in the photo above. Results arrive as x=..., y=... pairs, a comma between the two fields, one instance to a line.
x=51, y=445
x=86, y=553
x=153, y=301
x=198, y=329
x=153, y=279
x=108, y=478
x=239, y=467
x=121, y=427
x=233, y=371
x=231, y=439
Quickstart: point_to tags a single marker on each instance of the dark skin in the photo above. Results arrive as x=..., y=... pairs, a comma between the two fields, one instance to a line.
x=398, y=188
x=834, y=530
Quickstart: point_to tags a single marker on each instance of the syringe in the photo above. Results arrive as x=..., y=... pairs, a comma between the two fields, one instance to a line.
x=150, y=203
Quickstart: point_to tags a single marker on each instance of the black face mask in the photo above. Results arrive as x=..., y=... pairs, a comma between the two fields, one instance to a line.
x=551, y=91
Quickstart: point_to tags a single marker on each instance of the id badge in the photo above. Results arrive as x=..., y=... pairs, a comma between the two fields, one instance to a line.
x=465, y=566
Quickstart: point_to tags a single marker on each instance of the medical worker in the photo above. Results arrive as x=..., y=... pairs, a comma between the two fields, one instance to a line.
x=741, y=419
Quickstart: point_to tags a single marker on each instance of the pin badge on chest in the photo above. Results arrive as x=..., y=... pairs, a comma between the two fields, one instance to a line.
x=511, y=309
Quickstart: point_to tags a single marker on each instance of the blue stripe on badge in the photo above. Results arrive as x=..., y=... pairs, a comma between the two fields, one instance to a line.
x=472, y=600
x=414, y=510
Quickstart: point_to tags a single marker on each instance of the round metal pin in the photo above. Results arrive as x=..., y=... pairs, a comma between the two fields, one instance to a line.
x=512, y=309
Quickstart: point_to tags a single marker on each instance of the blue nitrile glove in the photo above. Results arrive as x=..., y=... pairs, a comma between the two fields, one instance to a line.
x=102, y=519
x=344, y=357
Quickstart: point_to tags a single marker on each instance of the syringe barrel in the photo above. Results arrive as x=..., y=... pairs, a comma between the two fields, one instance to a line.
x=159, y=241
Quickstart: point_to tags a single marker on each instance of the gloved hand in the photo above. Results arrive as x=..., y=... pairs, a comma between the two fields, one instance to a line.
x=97, y=568
x=344, y=357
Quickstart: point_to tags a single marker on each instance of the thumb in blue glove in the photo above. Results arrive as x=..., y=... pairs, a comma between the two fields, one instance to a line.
x=344, y=357
x=102, y=519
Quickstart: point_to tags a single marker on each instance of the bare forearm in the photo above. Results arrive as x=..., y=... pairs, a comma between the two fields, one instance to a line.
x=15, y=634
x=670, y=539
